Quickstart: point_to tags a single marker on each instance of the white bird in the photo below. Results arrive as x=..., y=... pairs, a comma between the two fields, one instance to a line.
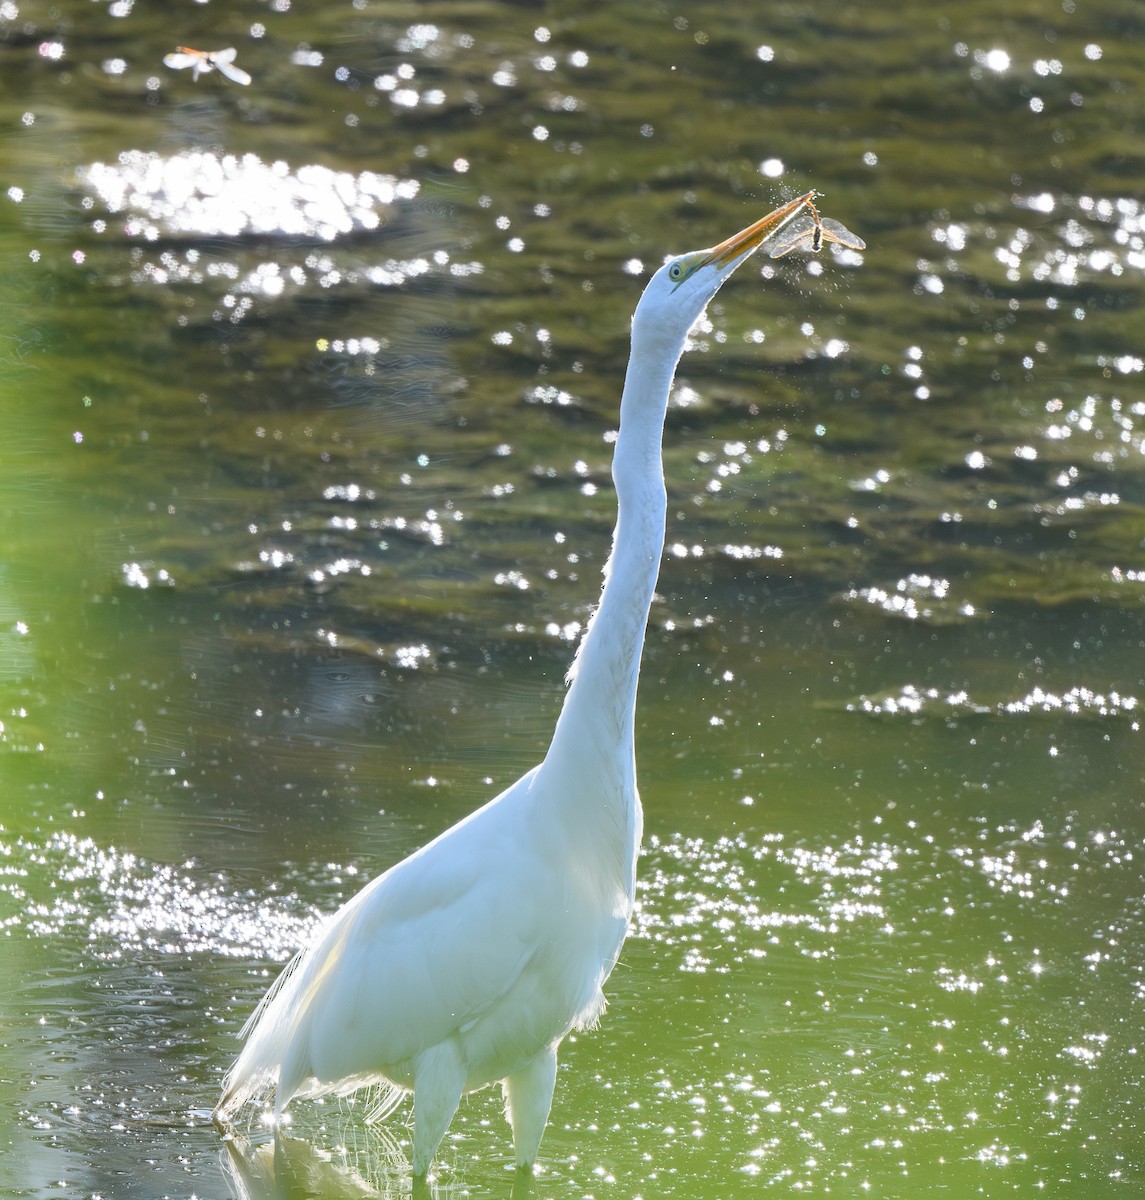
x=468, y=962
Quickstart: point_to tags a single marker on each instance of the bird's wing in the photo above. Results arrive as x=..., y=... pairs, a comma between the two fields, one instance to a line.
x=420, y=955
x=429, y=948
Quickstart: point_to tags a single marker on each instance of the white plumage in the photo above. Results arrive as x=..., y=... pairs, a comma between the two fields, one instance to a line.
x=469, y=961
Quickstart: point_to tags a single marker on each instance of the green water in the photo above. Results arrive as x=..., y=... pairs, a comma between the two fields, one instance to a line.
x=305, y=396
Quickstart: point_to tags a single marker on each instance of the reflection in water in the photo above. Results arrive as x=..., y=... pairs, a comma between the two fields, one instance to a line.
x=366, y=1162
x=286, y=1168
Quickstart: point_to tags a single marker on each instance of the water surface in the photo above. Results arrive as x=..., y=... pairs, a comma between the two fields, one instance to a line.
x=308, y=391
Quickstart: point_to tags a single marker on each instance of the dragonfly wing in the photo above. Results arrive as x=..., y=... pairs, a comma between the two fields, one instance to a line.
x=235, y=73
x=797, y=234
x=833, y=231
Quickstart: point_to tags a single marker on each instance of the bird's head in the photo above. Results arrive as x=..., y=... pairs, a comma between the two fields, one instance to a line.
x=679, y=292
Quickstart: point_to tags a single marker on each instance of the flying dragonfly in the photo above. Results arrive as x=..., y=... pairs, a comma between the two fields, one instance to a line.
x=809, y=231
x=202, y=61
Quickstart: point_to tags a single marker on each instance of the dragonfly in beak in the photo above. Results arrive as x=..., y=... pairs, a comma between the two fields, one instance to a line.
x=808, y=231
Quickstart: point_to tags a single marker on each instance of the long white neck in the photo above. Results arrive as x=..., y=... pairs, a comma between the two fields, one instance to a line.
x=593, y=744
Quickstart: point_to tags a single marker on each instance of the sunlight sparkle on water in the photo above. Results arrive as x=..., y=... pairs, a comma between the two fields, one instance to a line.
x=915, y=597
x=144, y=575
x=689, y=884
x=124, y=904
x=913, y=701
x=204, y=194
x=1083, y=247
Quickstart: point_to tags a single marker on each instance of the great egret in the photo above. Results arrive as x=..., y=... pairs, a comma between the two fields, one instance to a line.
x=469, y=961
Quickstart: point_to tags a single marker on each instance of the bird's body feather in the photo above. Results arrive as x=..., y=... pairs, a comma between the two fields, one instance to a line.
x=481, y=937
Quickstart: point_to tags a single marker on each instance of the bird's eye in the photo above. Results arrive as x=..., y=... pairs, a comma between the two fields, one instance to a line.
x=675, y=271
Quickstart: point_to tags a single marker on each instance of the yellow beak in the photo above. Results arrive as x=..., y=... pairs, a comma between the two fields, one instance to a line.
x=754, y=235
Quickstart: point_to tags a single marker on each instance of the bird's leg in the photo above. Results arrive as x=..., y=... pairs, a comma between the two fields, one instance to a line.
x=523, y=1188
x=422, y=1189
x=528, y=1098
x=438, y=1081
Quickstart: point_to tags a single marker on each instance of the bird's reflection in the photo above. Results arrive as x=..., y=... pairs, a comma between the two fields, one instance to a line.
x=286, y=1168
